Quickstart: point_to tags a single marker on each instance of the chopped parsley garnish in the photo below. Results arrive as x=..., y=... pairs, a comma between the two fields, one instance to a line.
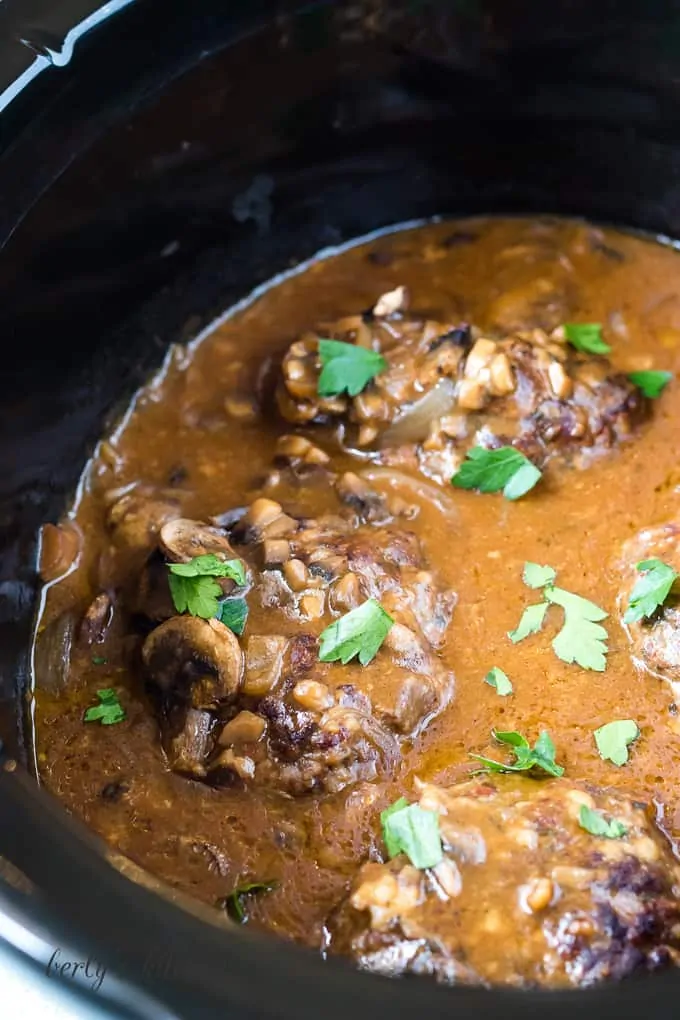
x=193, y=586
x=586, y=337
x=652, y=383
x=210, y=565
x=536, y=576
x=411, y=830
x=359, y=632
x=109, y=710
x=347, y=368
x=233, y=613
x=234, y=903
x=99, y=660
x=531, y=622
x=596, y=824
x=492, y=470
x=540, y=756
x=500, y=681
x=614, y=738
x=651, y=590
x=581, y=640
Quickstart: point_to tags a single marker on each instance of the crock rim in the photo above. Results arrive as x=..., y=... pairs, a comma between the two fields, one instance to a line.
x=34, y=38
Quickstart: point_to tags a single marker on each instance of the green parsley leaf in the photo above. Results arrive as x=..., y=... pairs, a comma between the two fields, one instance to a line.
x=109, y=710
x=652, y=383
x=541, y=756
x=532, y=620
x=651, y=590
x=596, y=824
x=492, y=470
x=234, y=902
x=500, y=681
x=99, y=660
x=193, y=587
x=196, y=595
x=522, y=481
x=233, y=613
x=359, y=632
x=347, y=368
x=536, y=576
x=210, y=565
x=582, y=640
x=613, y=739
x=392, y=845
x=586, y=337
x=511, y=737
x=410, y=829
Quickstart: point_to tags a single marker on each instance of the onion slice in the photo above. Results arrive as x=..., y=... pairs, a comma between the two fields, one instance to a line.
x=423, y=492
x=413, y=424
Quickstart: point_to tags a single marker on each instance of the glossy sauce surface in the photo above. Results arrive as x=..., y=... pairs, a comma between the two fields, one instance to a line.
x=491, y=272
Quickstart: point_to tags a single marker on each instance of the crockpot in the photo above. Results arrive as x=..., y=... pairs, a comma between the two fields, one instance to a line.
x=158, y=160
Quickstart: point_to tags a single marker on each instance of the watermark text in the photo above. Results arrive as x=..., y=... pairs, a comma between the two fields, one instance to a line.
x=89, y=972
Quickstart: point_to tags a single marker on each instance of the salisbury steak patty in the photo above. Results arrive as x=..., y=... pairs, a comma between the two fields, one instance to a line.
x=262, y=706
x=524, y=894
x=446, y=387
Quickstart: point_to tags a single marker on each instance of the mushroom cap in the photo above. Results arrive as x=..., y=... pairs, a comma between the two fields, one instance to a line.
x=182, y=539
x=137, y=517
x=194, y=660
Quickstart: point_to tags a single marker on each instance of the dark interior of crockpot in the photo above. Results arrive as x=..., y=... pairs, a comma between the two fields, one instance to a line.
x=189, y=153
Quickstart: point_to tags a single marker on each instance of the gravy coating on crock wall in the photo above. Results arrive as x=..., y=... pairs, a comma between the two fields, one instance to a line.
x=266, y=800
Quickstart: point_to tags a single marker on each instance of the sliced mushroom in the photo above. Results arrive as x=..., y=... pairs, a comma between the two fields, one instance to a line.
x=356, y=493
x=136, y=518
x=296, y=450
x=228, y=764
x=229, y=518
x=53, y=650
x=183, y=539
x=392, y=302
x=189, y=750
x=152, y=597
x=244, y=728
x=197, y=661
x=97, y=619
x=276, y=551
x=264, y=663
x=264, y=519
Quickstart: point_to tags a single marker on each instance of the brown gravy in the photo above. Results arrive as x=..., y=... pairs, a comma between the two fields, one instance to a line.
x=206, y=841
